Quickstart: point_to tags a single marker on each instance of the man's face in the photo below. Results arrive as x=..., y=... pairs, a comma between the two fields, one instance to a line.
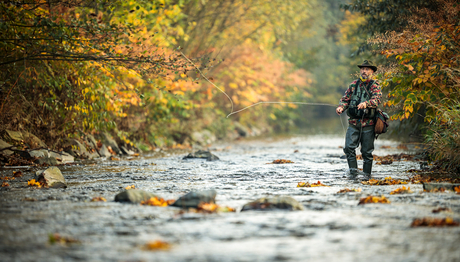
x=366, y=72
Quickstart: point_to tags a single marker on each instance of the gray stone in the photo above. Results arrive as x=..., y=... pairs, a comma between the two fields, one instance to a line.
x=204, y=137
x=272, y=203
x=104, y=151
x=242, y=130
x=134, y=196
x=195, y=198
x=50, y=161
x=126, y=151
x=3, y=145
x=202, y=154
x=109, y=141
x=26, y=137
x=446, y=186
x=91, y=141
x=76, y=149
x=52, y=177
x=62, y=157
x=39, y=153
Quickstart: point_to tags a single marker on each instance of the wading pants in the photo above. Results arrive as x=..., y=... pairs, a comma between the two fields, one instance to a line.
x=355, y=136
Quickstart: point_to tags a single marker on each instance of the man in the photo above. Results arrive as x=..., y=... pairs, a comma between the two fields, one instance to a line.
x=361, y=99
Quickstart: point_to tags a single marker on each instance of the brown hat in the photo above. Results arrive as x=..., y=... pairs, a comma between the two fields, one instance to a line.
x=367, y=63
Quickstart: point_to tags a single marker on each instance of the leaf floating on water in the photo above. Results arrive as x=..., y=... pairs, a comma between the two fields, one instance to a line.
x=346, y=190
x=434, y=222
x=436, y=190
x=98, y=199
x=383, y=182
x=114, y=158
x=7, y=178
x=130, y=187
x=154, y=201
x=281, y=161
x=457, y=189
x=373, y=199
x=5, y=184
x=34, y=183
x=306, y=184
x=17, y=173
x=441, y=209
x=401, y=190
x=157, y=245
x=57, y=238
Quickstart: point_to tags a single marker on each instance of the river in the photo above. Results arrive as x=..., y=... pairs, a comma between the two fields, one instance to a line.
x=332, y=227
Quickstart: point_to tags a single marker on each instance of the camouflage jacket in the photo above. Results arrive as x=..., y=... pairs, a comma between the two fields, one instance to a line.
x=376, y=96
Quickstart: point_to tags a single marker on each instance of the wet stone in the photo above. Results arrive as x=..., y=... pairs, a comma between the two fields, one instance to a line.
x=271, y=203
x=202, y=154
x=134, y=196
x=51, y=177
x=195, y=198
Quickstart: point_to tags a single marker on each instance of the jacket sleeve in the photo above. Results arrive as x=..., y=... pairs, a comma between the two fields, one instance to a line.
x=376, y=95
x=345, y=100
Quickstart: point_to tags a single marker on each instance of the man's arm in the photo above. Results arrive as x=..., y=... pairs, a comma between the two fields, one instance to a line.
x=345, y=100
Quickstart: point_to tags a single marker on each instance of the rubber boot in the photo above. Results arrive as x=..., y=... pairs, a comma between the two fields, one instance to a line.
x=367, y=169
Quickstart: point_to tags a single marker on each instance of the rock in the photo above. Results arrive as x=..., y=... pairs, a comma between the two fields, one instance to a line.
x=104, y=151
x=50, y=161
x=126, y=151
x=271, y=203
x=195, y=198
x=52, y=177
x=49, y=157
x=109, y=141
x=204, y=137
x=76, y=149
x=242, y=130
x=91, y=141
x=3, y=145
x=134, y=196
x=202, y=154
x=27, y=137
x=433, y=186
x=42, y=153
x=62, y=157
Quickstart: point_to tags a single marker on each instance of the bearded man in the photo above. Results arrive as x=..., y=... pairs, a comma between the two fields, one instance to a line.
x=361, y=100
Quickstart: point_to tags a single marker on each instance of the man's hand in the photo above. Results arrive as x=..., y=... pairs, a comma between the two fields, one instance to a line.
x=339, y=110
x=363, y=105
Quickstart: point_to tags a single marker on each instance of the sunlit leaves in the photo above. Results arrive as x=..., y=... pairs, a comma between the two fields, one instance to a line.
x=33, y=183
x=307, y=184
x=154, y=201
x=401, y=190
x=382, y=182
x=348, y=190
x=281, y=161
x=434, y=222
x=373, y=200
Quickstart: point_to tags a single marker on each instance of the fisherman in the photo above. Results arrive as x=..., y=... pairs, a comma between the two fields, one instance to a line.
x=361, y=100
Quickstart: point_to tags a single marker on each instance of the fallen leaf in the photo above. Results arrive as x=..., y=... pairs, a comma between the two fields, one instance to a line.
x=17, y=173
x=434, y=222
x=436, y=190
x=346, y=190
x=457, y=189
x=154, y=201
x=157, y=245
x=130, y=187
x=386, y=181
x=114, y=158
x=281, y=161
x=306, y=184
x=401, y=190
x=7, y=178
x=29, y=199
x=98, y=199
x=57, y=238
x=33, y=183
x=5, y=184
x=373, y=199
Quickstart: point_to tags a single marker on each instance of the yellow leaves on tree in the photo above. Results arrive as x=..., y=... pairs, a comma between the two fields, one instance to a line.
x=373, y=200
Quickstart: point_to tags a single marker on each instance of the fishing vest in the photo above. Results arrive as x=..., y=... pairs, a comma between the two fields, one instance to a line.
x=359, y=95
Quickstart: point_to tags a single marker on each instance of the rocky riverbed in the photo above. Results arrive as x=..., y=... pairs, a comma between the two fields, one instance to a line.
x=63, y=224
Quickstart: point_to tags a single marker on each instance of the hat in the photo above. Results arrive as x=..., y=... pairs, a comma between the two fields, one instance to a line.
x=367, y=63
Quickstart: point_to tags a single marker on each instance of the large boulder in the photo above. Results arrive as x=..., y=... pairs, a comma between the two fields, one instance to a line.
x=108, y=140
x=104, y=151
x=27, y=137
x=134, y=196
x=202, y=154
x=51, y=177
x=4, y=145
x=44, y=156
x=195, y=198
x=272, y=203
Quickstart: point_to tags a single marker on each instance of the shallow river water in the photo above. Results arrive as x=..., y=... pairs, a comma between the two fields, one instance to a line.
x=332, y=227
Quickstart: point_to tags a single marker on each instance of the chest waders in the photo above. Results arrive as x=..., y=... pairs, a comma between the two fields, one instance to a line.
x=359, y=134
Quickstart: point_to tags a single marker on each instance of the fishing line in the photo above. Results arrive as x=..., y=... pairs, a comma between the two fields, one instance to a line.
x=258, y=103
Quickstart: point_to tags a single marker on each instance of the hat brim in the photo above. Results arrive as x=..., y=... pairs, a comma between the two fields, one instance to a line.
x=371, y=67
